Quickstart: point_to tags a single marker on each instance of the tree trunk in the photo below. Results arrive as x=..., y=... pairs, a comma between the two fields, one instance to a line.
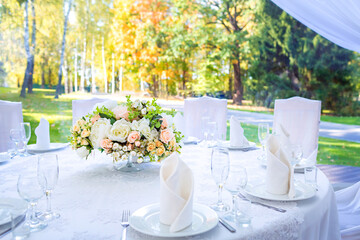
x=83, y=59
x=43, y=74
x=66, y=79
x=49, y=77
x=238, y=86
x=75, y=68
x=113, y=75
x=184, y=83
x=93, y=85
x=33, y=45
x=27, y=50
x=58, y=88
x=70, y=84
x=155, y=86
x=231, y=89
x=120, y=78
x=104, y=66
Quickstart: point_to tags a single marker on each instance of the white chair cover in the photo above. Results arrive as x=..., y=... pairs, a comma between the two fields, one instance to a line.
x=10, y=117
x=179, y=122
x=348, y=204
x=301, y=119
x=83, y=107
x=195, y=109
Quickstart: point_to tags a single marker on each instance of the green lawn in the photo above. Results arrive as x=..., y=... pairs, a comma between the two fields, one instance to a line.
x=325, y=118
x=58, y=112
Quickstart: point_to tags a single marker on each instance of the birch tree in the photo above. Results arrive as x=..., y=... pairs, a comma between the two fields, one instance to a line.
x=66, y=13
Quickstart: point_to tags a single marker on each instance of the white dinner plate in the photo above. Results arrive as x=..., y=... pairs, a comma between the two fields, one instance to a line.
x=32, y=148
x=226, y=144
x=302, y=191
x=7, y=204
x=146, y=220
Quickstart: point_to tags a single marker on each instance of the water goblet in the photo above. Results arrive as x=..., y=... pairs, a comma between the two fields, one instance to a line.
x=212, y=133
x=204, y=129
x=220, y=170
x=15, y=136
x=235, y=182
x=25, y=137
x=48, y=168
x=263, y=134
x=30, y=189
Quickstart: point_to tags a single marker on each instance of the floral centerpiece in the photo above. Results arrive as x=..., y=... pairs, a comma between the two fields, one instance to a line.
x=136, y=129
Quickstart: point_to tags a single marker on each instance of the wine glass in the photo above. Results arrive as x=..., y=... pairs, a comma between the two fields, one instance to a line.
x=220, y=170
x=236, y=181
x=212, y=130
x=204, y=129
x=25, y=137
x=15, y=136
x=30, y=189
x=48, y=168
x=296, y=154
x=263, y=134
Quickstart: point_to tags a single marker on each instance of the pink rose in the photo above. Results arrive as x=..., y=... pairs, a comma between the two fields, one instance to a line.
x=166, y=135
x=130, y=146
x=137, y=143
x=133, y=136
x=164, y=123
x=106, y=143
x=121, y=112
x=95, y=118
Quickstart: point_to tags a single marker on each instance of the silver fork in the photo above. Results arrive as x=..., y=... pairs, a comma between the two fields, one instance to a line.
x=125, y=222
x=262, y=204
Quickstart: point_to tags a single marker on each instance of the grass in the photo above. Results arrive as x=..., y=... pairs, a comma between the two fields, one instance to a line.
x=324, y=118
x=58, y=112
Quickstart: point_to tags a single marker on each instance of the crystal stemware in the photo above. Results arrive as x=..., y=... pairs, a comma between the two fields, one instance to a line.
x=212, y=133
x=30, y=189
x=220, y=170
x=263, y=134
x=204, y=129
x=25, y=137
x=236, y=181
x=15, y=136
x=48, y=168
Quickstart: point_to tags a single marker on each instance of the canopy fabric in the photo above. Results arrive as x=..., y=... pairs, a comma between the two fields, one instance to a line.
x=337, y=21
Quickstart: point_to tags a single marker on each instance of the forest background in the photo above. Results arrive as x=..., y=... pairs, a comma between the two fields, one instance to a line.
x=236, y=49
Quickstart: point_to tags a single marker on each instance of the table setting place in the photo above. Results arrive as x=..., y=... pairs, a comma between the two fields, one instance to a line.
x=140, y=181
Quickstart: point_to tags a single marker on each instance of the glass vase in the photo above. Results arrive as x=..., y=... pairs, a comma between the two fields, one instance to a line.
x=130, y=166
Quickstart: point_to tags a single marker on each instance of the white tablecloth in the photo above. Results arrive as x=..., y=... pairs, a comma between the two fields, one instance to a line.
x=91, y=195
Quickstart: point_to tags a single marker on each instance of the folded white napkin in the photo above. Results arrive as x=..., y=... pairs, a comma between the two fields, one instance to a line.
x=279, y=172
x=42, y=134
x=237, y=138
x=176, y=193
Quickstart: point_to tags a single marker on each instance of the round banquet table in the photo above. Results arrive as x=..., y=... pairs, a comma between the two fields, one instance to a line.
x=91, y=195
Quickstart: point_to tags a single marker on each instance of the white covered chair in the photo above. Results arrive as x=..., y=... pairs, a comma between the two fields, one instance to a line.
x=348, y=204
x=10, y=117
x=83, y=107
x=300, y=117
x=195, y=109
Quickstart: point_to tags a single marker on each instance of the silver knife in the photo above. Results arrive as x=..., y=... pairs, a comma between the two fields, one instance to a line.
x=225, y=224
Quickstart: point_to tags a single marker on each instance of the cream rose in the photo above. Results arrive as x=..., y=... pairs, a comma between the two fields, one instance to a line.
x=85, y=133
x=99, y=131
x=166, y=135
x=82, y=152
x=120, y=131
x=145, y=130
x=121, y=112
x=133, y=136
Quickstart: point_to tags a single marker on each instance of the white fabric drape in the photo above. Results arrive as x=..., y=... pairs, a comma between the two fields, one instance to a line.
x=337, y=21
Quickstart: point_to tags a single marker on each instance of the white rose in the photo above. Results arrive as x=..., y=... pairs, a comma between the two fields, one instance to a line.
x=135, y=125
x=110, y=104
x=145, y=130
x=116, y=154
x=154, y=134
x=120, y=131
x=99, y=131
x=140, y=160
x=133, y=153
x=124, y=148
x=82, y=152
x=144, y=101
x=143, y=111
x=124, y=157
